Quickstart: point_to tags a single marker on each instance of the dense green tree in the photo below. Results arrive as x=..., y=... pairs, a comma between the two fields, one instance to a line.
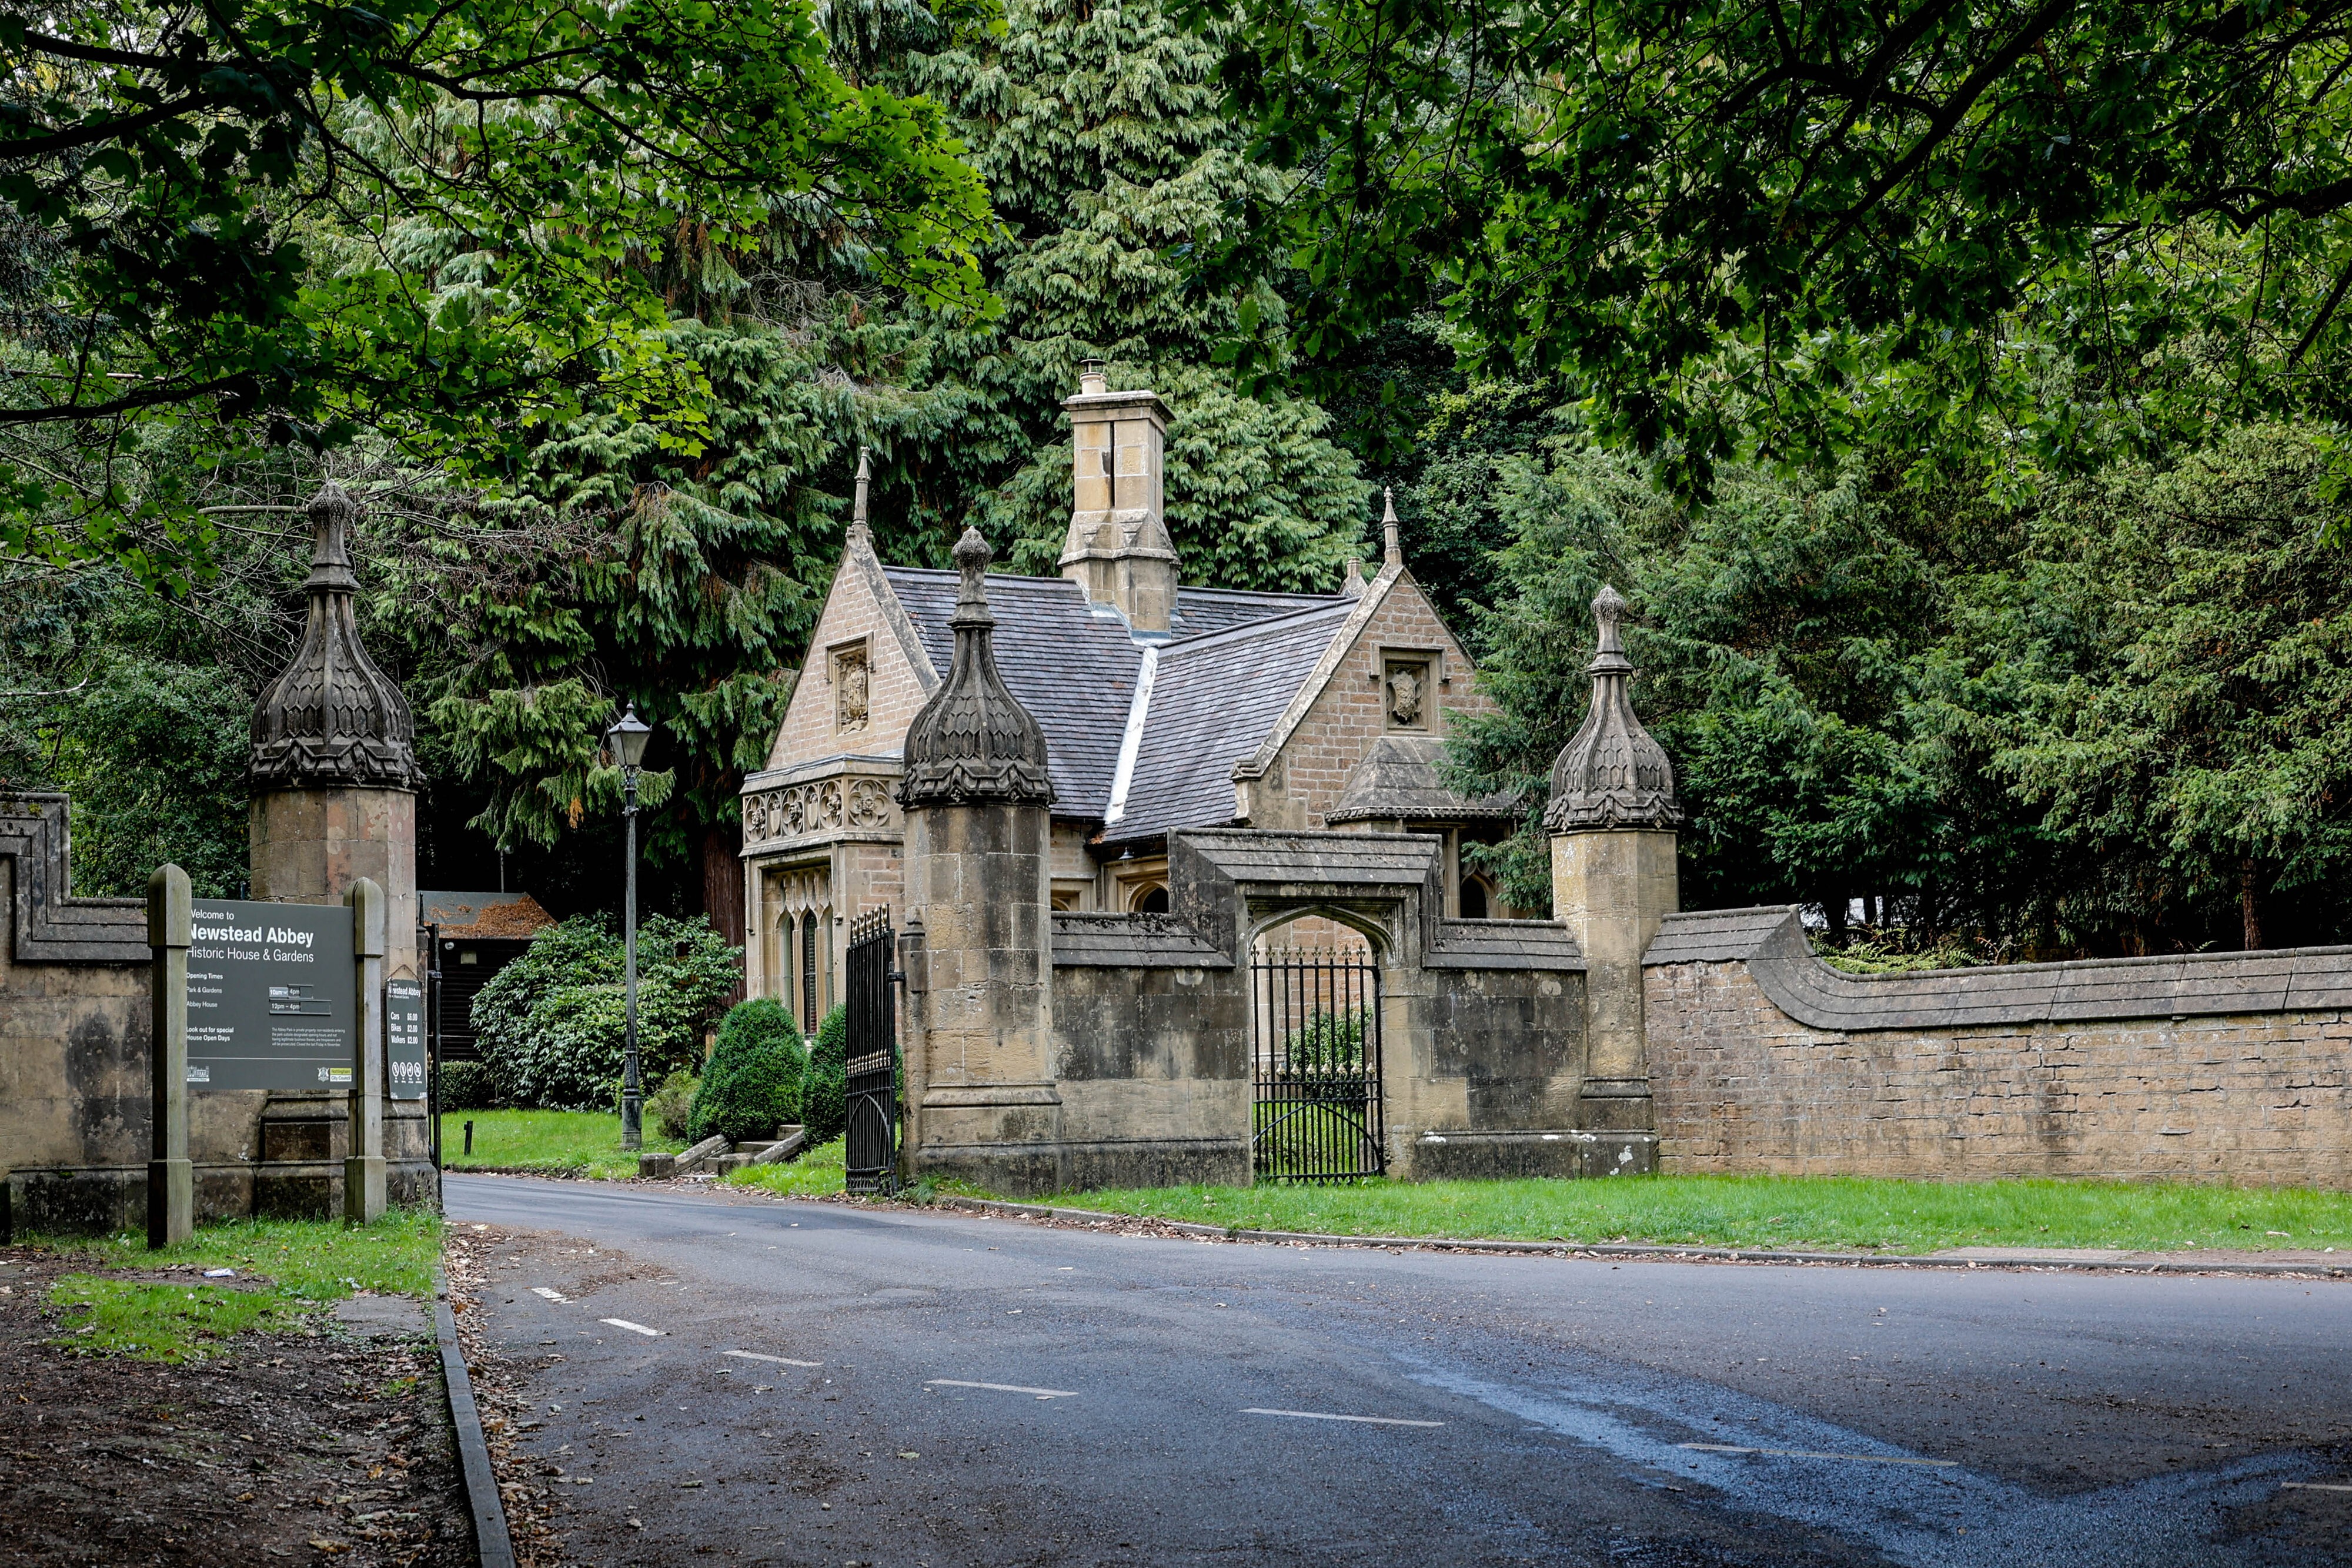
x=2200, y=755
x=2113, y=722
x=286, y=222
x=1998, y=227
x=553, y=1023
x=1098, y=133
x=751, y=1084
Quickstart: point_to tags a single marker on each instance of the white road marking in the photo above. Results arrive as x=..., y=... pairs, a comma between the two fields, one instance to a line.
x=1808, y=1454
x=779, y=1360
x=1004, y=1388
x=2311, y=1486
x=633, y=1328
x=1326, y=1415
x=550, y=1295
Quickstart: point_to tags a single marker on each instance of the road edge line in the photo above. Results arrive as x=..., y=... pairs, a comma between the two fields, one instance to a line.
x=492, y=1545
x=991, y=1205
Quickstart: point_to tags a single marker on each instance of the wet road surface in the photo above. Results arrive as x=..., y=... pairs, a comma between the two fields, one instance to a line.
x=831, y=1384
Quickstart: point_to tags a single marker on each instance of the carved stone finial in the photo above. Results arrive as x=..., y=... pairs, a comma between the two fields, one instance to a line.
x=857, y=524
x=973, y=744
x=1611, y=774
x=1392, y=531
x=331, y=718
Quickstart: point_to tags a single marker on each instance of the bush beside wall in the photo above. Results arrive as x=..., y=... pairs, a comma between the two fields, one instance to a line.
x=751, y=1084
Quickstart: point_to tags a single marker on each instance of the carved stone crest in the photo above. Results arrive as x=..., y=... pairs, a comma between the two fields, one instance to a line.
x=1408, y=690
x=849, y=689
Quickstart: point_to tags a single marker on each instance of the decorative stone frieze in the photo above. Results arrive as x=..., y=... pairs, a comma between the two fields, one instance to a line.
x=850, y=800
x=331, y=718
x=973, y=744
x=827, y=805
x=1611, y=774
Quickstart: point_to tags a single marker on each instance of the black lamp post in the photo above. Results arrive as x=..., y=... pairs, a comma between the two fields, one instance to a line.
x=628, y=739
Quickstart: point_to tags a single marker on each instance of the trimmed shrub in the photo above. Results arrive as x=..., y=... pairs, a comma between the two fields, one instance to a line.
x=553, y=1023
x=467, y=1086
x=824, y=1102
x=751, y=1084
x=670, y=1108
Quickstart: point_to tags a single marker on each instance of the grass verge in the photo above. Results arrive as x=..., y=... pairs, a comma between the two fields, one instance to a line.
x=558, y=1142
x=1810, y=1213
x=813, y=1175
x=284, y=1268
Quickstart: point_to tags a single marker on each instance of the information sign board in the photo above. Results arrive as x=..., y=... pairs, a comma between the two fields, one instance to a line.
x=404, y=1037
x=272, y=996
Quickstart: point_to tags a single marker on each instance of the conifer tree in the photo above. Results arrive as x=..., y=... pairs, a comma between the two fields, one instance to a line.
x=1101, y=141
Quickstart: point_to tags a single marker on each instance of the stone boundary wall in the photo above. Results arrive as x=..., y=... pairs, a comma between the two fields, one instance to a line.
x=2211, y=1067
x=76, y=1106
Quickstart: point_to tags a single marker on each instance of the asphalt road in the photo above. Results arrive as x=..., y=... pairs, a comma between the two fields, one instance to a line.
x=985, y=1391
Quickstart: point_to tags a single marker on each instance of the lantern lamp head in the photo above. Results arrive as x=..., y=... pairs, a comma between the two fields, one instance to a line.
x=628, y=739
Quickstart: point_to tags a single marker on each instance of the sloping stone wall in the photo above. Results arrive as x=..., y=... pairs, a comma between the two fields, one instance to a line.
x=2220, y=1067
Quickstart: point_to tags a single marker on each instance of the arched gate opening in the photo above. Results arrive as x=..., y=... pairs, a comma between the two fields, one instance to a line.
x=1315, y=1035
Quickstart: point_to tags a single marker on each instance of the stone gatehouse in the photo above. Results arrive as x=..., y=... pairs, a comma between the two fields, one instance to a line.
x=1164, y=707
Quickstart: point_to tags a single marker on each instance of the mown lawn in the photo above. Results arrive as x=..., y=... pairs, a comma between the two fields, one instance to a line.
x=284, y=1270
x=1831, y=1213
x=813, y=1174
x=558, y=1142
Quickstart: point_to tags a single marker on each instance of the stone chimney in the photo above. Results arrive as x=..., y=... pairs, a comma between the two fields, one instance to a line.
x=980, y=1096
x=1612, y=819
x=1119, y=551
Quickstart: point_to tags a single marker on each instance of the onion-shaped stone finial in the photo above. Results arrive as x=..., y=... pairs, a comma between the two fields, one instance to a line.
x=973, y=744
x=1611, y=774
x=331, y=718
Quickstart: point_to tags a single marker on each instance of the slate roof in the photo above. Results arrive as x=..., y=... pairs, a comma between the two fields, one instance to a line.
x=1399, y=778
x=490, y=914
x=1201, y=611
x=1131, y=942
x=1213, y=700
x=1072, y=669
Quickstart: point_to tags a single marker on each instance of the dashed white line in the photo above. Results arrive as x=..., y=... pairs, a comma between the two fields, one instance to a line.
x=779, y=1360
x=1002, y=1387
x=550, y=1295
x=633, y=1328
x=2311, y=1486
x=1327, y=1415
x=1808, y=1454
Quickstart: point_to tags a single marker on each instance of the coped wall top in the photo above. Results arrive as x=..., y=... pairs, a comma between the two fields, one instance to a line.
x=1770, y=940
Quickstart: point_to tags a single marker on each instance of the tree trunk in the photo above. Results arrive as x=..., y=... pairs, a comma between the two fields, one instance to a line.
x=1833, y=910
x=2250, y=904
x=722, y=891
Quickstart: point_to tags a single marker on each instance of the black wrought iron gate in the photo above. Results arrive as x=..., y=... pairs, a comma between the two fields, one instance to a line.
x=872, y=1151
x=1315, y=1023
